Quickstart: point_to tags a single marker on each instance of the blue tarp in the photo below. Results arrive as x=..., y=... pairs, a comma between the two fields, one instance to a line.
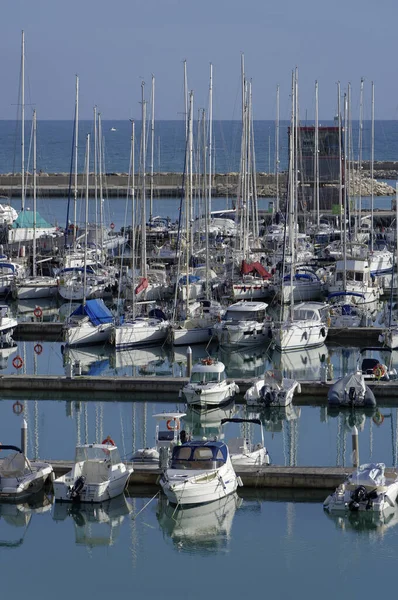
x=191, y=279
x=96, y=311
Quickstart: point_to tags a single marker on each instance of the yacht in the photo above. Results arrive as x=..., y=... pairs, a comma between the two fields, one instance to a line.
x=208, y=385
x=305, y=328
x=90, y=323
x=244, y=324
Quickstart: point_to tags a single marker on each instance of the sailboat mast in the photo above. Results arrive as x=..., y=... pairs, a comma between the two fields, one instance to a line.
x=340, y=159
x=291, y=192
x=100, y=171
x=346, y=196
x=152, y=145
x=143, y=188
x=210, y=137
x=372, y=160
x=277, y=149
x=86, y=229
x=76, y=158
x=186, y=99
x=316, y=154
x=133, y=240
x=360, y=143
x=34, y=271
x=95, y=174
x=188, y=199
x=23, y=122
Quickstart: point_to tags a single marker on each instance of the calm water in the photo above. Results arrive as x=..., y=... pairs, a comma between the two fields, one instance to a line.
x=54, y=145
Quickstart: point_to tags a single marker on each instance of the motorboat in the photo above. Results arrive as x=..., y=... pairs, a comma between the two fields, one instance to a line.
x=373, y=368
x=20, y=478
x=206, y=527
x=351, y=390
x=98, y=474
x=208, y=384
x=242, y=450
x=272, y=390
x=244, y=324
x=95, y=525
x=306, y=327
x=354, y=275
x=7, y=325
x=168, y=433
x=366, y=489
x=199, y=472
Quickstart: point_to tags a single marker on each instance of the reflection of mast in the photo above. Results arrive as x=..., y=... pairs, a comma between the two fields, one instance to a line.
x=85, y=423
x=78, y=425
x=290, y=516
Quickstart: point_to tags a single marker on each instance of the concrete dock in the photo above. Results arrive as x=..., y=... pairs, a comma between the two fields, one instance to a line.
x=268, y=476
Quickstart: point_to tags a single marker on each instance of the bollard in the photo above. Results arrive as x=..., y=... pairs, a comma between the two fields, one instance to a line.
x=24, y=436
x=189, y=361
x=69, y=370
x=355, y=447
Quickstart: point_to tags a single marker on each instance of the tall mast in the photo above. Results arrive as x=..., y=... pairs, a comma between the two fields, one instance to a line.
x=340, y=158
x=346, y=194
x=86, y=229
x=186, y=99
x=360, y=142
x=23, y=121
x=316, y=155
x=210, y=136
x=100, y=171
x=133, y=239
x=292, y=190
x=34, y=271
x=143, y=188
x=76, y=158
x=95, y=174
x=188, y=198
x=152, y=144
x=372, y=160
x=277, y=149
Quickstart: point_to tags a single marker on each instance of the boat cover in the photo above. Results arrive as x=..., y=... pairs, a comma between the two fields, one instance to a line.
x=96, y=311
x=369, y=474
x=255, y=267
x=351, y=390
x=25, y=220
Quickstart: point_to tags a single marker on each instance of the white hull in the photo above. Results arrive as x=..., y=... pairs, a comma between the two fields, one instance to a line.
x=92, y=492
x=192, y=487
x=19, y=489
x=279, y=395
x=251, y=291
x=185, y=337
x=243, y=334
x=297, y=335
x=86, y=333
x=389, y=338
x=36, y=288
x=301, y=292
x=210, y=394
x=139, y=332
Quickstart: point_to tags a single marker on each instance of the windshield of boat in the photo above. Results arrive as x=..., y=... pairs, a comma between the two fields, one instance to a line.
x=245, y=315
x=306, y=315
x=198, y=457
x=98, y=453
x=204, y=377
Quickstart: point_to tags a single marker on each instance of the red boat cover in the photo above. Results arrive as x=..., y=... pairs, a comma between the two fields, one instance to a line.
x=141, y=286
x=255, y=267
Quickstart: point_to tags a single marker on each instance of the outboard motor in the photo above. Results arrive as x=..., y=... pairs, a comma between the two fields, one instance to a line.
x=266, y=395
x=358, y=495
x=77, y=489
x=352, y=395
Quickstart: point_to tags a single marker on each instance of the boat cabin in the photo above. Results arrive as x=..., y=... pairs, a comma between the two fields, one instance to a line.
x=204, y=456
x=246, y=311
x=168, y=428
x=208, y=371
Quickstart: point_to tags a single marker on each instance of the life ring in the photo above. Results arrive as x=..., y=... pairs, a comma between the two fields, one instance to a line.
x=378, y=419
x=17, y=362
x=38, y=348
x=174, y=427
x=112, y=225
x=17, y=408
x=379, y=371
x=38, y=312
x=108, y=441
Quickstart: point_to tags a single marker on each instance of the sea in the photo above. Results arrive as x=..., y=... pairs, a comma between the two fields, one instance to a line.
x=257, y=542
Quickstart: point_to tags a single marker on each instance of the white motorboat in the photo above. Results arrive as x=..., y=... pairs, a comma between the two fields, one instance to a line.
x=373, y=368
x=351, y=390
x=366, y=489
x=353, y=275
x=7, y=324
x=199, y=472
x=244, y=324
x=20, y=478
x=95, y=525
x=90, y=323
x=168, y=433
x=206, y=526
x=97, y=475
x=208, y=384
x=305, y=328
x=242, y=450
x=272, y=390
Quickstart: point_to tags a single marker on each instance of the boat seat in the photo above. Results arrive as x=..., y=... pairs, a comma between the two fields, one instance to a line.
x=13, y=465
x=95, y=471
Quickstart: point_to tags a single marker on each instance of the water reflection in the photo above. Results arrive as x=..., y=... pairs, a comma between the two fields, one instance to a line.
x=5, y=354
x=273, y=417
x=87, y=360
x=301, y=364
x=95, y=524
x=199, y=529
x=246, y=363
x=366, y=523
x=15, y=519
x=206, y=423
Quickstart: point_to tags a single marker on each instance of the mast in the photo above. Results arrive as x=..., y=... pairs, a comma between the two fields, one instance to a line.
x=210, y=162
x=340, y=158
x=86, y=229
x=346, y=196
x=291, y=191
x=188, y=199
x=277, y=149
x=76, y=157
x=95, y=175
x=372, y=160
x=143, y=180
x=100, y=171
x=186, y=99
x=152, y=145
x=34, y=271
x=23, y=122
x=133, y=237
x=316, y=155
x=360, y=142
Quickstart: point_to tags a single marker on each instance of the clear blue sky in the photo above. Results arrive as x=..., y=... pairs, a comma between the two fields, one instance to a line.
x=111, y=45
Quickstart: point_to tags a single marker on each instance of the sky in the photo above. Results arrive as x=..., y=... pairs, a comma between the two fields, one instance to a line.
x=115, y=45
